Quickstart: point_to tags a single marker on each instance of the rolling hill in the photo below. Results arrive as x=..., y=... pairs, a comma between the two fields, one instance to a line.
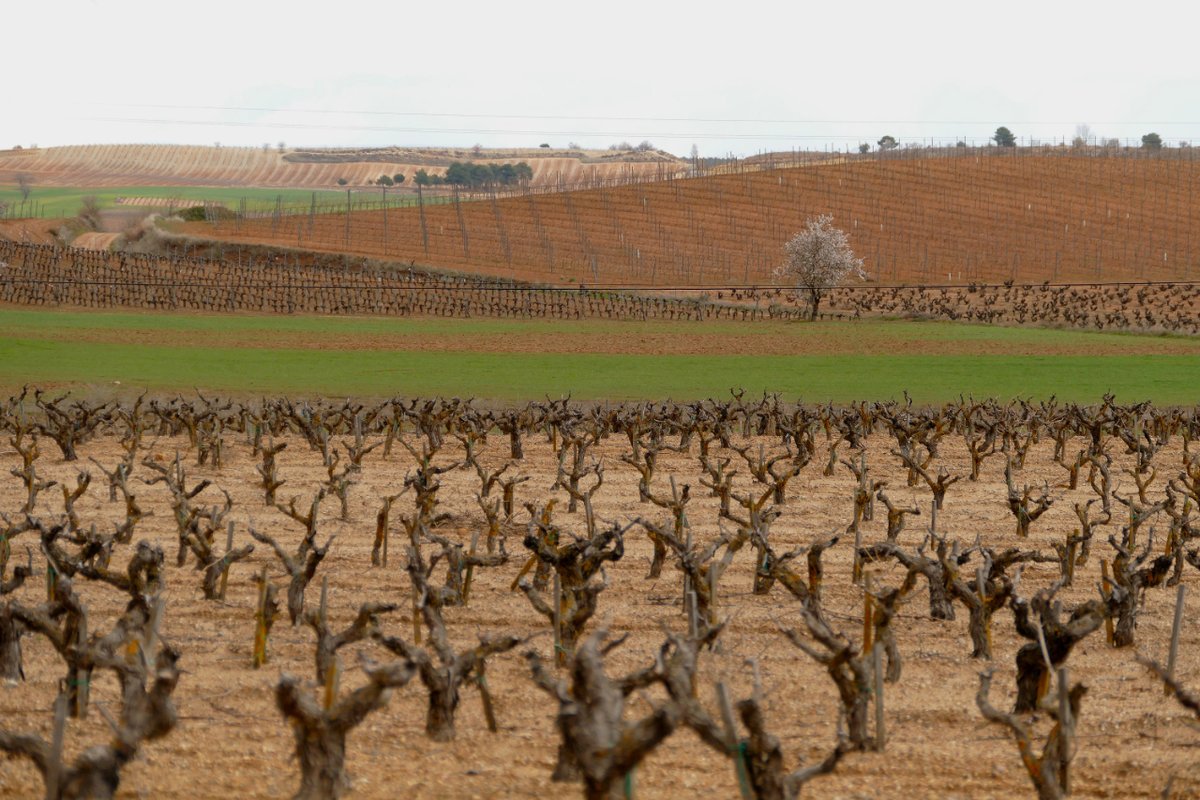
x=958, y=217
x=101, y=166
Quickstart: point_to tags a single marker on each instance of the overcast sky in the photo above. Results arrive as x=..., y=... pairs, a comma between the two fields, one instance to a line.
x=737, y=77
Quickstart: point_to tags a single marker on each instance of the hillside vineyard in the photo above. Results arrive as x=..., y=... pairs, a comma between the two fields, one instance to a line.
x=974, y=217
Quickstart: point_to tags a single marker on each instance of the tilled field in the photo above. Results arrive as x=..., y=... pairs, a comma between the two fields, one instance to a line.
x=231, y=740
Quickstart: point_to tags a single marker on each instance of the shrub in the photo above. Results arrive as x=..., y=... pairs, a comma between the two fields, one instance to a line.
x=1004, y=137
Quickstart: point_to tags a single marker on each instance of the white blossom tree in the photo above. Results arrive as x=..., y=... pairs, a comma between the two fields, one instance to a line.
x=818, y=259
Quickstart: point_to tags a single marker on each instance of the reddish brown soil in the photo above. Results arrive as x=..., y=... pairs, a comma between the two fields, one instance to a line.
x=33, y=231
x=631, y=338
x=952, y=219
x=231, y=742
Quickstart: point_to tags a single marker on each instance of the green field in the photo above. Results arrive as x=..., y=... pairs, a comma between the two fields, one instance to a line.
x=65, y=201
x=508, y=360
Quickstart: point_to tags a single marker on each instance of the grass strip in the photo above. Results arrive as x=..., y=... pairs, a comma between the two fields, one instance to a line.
x=591, y=376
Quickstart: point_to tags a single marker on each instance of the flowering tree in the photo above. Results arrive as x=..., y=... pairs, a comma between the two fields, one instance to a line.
x=818, y=259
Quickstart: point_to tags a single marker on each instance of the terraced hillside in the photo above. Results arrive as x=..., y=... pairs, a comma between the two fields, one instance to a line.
x=976, y=216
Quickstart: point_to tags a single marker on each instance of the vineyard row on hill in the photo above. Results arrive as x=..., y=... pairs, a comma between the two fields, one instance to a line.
x=272, y=281
x=934, y=220
x=36, y=275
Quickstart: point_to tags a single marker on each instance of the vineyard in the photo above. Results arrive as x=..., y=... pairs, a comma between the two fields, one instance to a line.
x=425, y=597
x=977, y=216
x=1158, y=308
x=217, y=277
x=34, y=275
x=176, y=165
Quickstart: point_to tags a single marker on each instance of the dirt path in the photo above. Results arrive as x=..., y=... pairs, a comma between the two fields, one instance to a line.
x=95, y=240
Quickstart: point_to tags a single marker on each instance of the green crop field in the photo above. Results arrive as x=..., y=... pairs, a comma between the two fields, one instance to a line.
x=592, y=360
x=65, y=201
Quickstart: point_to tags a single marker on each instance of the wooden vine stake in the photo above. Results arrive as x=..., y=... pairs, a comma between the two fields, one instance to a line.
x=1072, y=551
x=379, y=551
x=416, y=616
x=868, y=611
x=134, y=652
x=417, y=599
x=466, y=592
x=485, y=695
x=332, y=679
x=228, y=549
x=54, y=763
x=1066, y=726
x=857, y=573
x=858, y=515
x=150, y=645
x=1175, y=629
x=260, y=623
x=732, y=742
x=334, y=673
x=880, y=729
x=981, y=585
x=81, y=676
x=713, y=577
x=560, y=655
x=323, y=607
x=693, y=616
x=1108, y=621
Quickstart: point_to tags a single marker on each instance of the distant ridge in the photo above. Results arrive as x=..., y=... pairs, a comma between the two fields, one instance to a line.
x=316, y=168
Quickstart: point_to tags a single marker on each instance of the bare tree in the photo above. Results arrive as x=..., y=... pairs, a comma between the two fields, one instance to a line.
x=818, y=259
x=1083, y=135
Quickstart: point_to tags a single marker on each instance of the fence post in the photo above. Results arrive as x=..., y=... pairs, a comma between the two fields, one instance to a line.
x=421, y=213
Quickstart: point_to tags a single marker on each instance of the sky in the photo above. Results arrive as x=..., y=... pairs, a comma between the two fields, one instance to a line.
x=732, y=78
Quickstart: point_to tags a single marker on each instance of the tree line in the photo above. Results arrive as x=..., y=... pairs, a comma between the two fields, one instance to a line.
x=467, y=173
